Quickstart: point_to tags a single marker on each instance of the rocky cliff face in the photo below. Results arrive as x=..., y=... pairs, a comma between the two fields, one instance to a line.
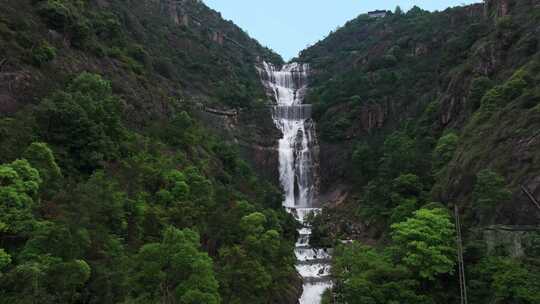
x=420, y=69
x=158, y=54
x=254, y=132
x=162, y=58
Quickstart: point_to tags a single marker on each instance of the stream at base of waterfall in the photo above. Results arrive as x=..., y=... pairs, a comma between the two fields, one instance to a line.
x=297, y=169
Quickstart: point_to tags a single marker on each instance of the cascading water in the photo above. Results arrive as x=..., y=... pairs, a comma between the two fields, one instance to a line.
x=297, y=169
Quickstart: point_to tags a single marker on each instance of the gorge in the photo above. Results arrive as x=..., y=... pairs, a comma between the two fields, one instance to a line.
x=153, y=152
x=298, y=170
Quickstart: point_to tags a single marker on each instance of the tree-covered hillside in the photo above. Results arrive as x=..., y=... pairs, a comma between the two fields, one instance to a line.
x=111, y=189
x=151, y=50
x=418, y=112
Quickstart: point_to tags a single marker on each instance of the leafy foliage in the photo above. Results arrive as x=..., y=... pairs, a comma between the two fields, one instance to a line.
x=19, y=186
x=368, y=276
x=43, y=54
x=174, y=271
x=504, y=280
x=96, y=212
x=426, y=242
x=444, y=151
x=490, y=189
x=423, y=103
x=85, y=121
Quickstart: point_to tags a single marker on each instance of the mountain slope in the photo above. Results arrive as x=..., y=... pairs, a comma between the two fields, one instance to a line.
x=420, y=71
x=423, y=107
x=114, y=188
x=127, y=40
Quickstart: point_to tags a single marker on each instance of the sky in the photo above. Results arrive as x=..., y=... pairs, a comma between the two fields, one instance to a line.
x=289, y=26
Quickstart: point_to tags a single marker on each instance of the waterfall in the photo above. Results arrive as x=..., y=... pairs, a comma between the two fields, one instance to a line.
x=297, y=168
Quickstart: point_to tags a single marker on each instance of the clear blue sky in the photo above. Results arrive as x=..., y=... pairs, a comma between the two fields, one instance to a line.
x=288, y=26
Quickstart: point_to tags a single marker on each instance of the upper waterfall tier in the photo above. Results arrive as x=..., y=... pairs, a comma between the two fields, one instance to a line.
x=296, y=154
x=288, y=84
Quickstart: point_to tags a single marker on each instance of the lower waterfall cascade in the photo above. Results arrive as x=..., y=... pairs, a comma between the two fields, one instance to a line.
x=297, y=169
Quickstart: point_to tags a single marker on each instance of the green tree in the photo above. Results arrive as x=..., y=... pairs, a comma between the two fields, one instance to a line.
x=399, y=155
x=43, y=54
x=490, y=190
x=40, y=156
x=365, y=162
x=255, y=269
x=355, y=99
x=57, y=240
x=263, y=244
x=405, y=196
x=83, y=123
x=188, y=196
x=174, y=271
x=253, y=224
x=243, y=279
x=19, y=185
x=16, y=133
x=425, y=243
x=504, y=280
x=404, y=209
x=47, y=279
x=182, y=130
x=444, y=151
x=176, y=188
x=478, y=89
x=407, y=185
x=5, y=260
x=365, y=276
x=68, y=277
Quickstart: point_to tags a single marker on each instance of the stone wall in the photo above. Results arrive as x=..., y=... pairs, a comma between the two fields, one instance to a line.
x=509, y=240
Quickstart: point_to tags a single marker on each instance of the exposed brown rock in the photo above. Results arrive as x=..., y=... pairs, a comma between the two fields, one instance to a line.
x=8, y=104
x=372, y=117
x=421, y=50
x=500, y=8
x=14, y=81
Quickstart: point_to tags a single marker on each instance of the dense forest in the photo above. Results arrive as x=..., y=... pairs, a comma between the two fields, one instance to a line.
x=420, y=113
x=112, y=190
x=138, y=157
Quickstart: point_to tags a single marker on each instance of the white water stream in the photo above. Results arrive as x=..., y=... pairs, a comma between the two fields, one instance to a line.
x=297, y=169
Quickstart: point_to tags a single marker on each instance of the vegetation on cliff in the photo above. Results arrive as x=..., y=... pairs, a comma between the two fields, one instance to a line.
x=111, y=189
x=432, y=107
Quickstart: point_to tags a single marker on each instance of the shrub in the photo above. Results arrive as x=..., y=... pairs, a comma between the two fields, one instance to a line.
x=493, y=99
x=479, y=87
x=56, y=14
x=64, y=16
x=5, y=259
x=425, y=243
x=514, y=87
x=490, y=189
x=43, y=54
x=444, y=151
x=164, y=67
x=138, y=53
x=107, y=26
x=80, y=33
x=85, y=121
